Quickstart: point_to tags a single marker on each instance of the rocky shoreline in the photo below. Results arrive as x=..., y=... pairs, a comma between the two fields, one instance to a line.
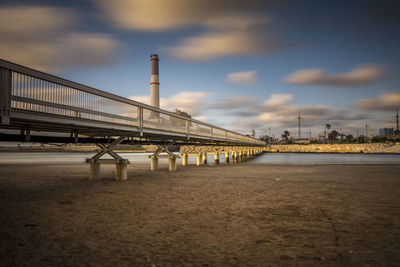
x=372, y=148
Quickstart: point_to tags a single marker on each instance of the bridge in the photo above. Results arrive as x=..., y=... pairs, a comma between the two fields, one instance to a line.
x=39, y=107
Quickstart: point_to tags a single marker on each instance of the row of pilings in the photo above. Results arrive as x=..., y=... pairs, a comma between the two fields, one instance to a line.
x=235, y=154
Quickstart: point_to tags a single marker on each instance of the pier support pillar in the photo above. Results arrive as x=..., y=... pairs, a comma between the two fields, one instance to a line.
x=172, y=164
x=171, y=158
x=154, y=164
x=198, y=159
x=204, y=157
x=121, y=173
x=216, y=158
x=227, y=157
x=184, y=159
x=94, y=170
x=121, y=164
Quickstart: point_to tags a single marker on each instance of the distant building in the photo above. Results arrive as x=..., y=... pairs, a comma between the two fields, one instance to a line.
x=367, y=131
x=179, y=122
x=322, y=138
x=386, y=132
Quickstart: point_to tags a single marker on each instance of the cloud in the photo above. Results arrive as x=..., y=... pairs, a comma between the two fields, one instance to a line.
x=227, y=27
x=227, y=42
x=201, y=118
x=235, y=102
x=163, y=15
x=245, y=126
x=276, y=100
x=243, y=77
x=361, y=75
x=287, y=117
x=191, y=102
x=30, y=39
x=387, y=101
x=276, y=111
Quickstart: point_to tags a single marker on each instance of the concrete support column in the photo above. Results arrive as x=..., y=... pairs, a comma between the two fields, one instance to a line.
x=172, y=164
x=121, y=173
x=216, y=158
x=94, y=170
x=204, y=157
x=227, y=157
x=154, y=164
x=198, y=159
x=184, y=159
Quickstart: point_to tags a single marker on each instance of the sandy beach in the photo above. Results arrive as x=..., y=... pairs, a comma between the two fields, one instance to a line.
x=240, y=215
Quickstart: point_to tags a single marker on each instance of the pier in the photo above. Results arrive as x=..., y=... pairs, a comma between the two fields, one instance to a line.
x=39, y=107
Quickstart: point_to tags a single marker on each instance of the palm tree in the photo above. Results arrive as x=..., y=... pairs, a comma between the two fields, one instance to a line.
x=328, y=126
x=333, y=135
x=286, y=135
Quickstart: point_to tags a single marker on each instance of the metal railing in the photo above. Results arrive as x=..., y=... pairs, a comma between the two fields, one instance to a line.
x=28, y=90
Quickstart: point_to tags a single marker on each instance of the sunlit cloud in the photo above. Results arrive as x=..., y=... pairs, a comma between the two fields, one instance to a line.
x=201, y=118
x=235, y=102
x=215, y=44
x=43, y=38
x=163, y=15
x=279, y=112
x=243, y=77
x=361, y=75
x=276, y=100
x=228, y=26
x=386, y=101
x=191, y=102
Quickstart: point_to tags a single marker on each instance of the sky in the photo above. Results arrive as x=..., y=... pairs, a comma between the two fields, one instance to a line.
x=241, y=65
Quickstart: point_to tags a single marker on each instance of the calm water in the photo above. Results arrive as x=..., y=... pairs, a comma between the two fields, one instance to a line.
x=68, y=158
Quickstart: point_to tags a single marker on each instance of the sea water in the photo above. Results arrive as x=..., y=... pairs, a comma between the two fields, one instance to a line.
x=142, y=158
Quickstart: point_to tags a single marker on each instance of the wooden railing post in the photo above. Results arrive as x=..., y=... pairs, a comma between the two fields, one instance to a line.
x=187, y=129
x=5, y=95
x=140, y=118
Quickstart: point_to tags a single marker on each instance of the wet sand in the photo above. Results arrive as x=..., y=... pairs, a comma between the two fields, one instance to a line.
x=243, y=215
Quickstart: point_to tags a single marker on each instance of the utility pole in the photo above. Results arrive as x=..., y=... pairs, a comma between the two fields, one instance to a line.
x=299, y=125
x=397, y=121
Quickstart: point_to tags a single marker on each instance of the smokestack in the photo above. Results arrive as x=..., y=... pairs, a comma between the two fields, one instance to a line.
x=155, y=82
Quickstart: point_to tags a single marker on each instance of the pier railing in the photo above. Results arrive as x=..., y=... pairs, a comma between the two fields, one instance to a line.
x=28, y=90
